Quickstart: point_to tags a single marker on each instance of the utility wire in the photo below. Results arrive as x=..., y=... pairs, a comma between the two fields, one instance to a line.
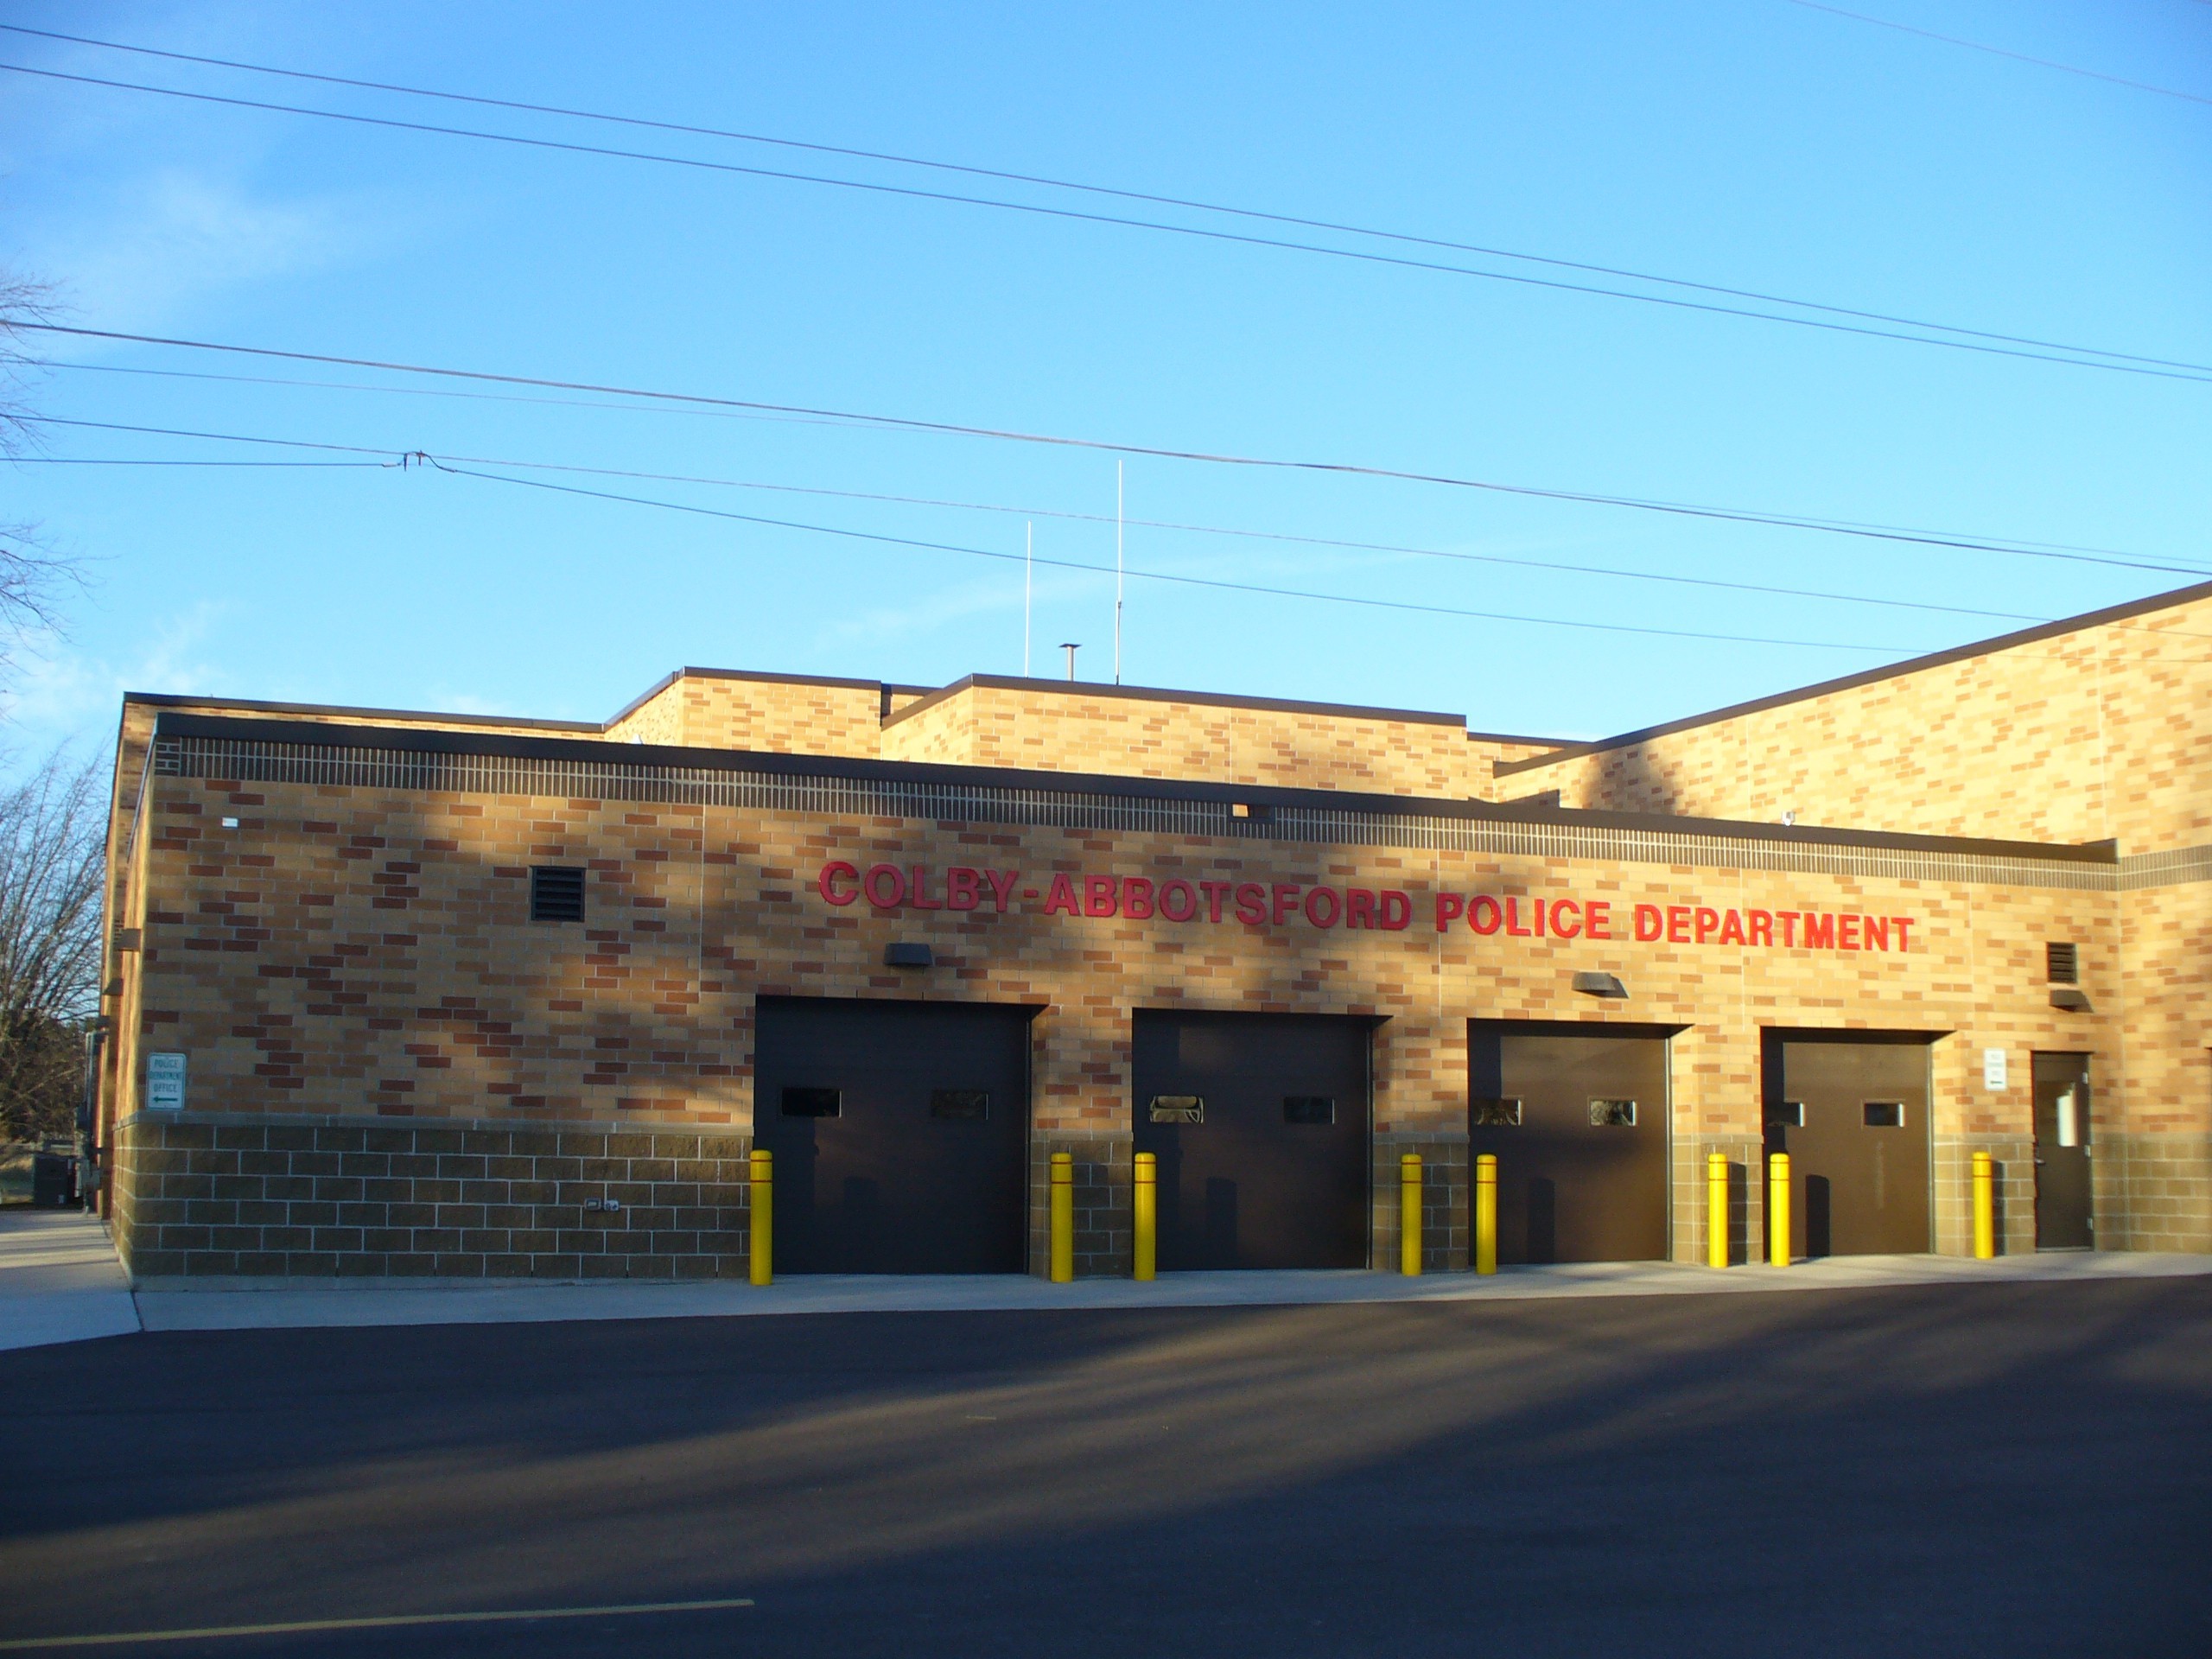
x=457, y=469
x=903, y=424
x=463, y=466
x=2013, y=544
x=111, y=461
x=420, y=392
x=1160, y=575
x=1972, y=46
x=1334, y=543
x=1108, y=191
x=2117, y=363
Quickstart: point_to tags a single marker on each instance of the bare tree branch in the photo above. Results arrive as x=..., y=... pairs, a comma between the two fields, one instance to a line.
x=53, y=837
x=34, y=577
x=21, y=301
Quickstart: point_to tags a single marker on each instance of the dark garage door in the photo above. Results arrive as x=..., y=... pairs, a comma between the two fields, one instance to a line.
x=900, y=1135
x=1261, y=1125
x=1577, y=1119
x=1852, y=1115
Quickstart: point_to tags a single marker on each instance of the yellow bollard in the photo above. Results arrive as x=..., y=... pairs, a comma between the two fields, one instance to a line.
x=1777, y=1209
x=1486, y=1213
x=763, y=1199
x=1716, y=1209
x=1062, y=1217
x=1147, y=1215
x=1409, y=1214
x=1984, y=1207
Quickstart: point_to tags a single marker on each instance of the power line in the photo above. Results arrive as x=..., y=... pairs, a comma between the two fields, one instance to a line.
x=462, y=467
x=1108, y=191
x=1161, y=576
x=906, y=424
x=1203, y=581
x=111, y=460
x=2003, y=544
x=1458, y=556
x=2118, y=363
x=1978, y=46
x=457, y=468
x=418, y=391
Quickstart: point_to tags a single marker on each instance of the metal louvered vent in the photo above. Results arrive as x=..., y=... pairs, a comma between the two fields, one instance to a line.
x=557, y=893
x=2062, y=964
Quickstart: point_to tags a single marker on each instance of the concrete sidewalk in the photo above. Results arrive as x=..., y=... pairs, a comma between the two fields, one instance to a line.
x=60, y=1280
x=326, y=1302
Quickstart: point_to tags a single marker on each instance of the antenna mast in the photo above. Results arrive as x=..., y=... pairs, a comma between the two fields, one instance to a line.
x=1117, y=572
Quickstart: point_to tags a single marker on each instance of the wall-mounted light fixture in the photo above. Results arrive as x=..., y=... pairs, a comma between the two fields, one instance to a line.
x=2071, y=998
x=907, y=955
x=1600, y=985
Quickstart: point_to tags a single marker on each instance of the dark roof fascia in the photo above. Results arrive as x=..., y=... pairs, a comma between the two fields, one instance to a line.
x=1509, y=737
x=1204, y=699
x=641, y=699
x=759, y=678
x=421, y=739
x=1871, y=676
x=170, y=700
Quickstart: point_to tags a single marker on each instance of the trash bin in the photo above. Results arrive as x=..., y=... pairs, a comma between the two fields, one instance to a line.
x=54, y=1181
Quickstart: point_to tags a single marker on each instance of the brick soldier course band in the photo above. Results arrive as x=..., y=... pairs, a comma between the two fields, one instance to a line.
x=452, y=997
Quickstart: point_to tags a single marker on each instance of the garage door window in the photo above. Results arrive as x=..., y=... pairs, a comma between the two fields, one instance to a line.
x=1309, y=1108
x=972, y=1105
x=813, y=1103
x=1495, y=1113
x=1613, y=1114
x=1885, y=1115
x=1178, y=1109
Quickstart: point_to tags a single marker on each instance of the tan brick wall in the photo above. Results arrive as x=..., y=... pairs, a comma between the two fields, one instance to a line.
x=2093, y=734
x=763, y=713
x=1039, y=726
x=366, y=955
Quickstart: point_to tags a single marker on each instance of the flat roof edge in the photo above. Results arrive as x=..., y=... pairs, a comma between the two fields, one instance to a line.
x=1204, y=699
x=423, y=739
x=1992, y=647
x=181, y=700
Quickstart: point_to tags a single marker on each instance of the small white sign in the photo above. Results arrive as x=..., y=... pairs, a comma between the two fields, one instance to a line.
x=1993, y=1068
x=165, y=1083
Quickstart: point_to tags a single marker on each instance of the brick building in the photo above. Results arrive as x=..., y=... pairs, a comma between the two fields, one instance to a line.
x=438, y=995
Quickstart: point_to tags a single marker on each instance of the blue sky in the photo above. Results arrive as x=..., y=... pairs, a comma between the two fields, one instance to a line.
x=1756, y=144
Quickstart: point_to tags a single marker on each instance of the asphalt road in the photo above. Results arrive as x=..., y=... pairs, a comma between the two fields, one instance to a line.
x=2003, y=1468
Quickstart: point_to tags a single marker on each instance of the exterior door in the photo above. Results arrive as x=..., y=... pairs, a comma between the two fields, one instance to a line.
x=900, y=1134
x=1852, y=1112
x=1578, y=1120
x=1260, y=1122
x=2063, y=1217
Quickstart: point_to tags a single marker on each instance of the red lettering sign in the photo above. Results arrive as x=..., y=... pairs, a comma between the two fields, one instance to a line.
x=1257, y=905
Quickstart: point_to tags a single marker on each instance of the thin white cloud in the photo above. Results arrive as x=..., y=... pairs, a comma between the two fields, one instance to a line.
x=169, y=242
x=58, y=695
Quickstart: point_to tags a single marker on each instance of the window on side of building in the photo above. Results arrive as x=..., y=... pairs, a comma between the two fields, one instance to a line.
x=1613, y=1114
x=2062, y=964
x=557, y=893
x=801, y=1102
x=1885, y=1114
